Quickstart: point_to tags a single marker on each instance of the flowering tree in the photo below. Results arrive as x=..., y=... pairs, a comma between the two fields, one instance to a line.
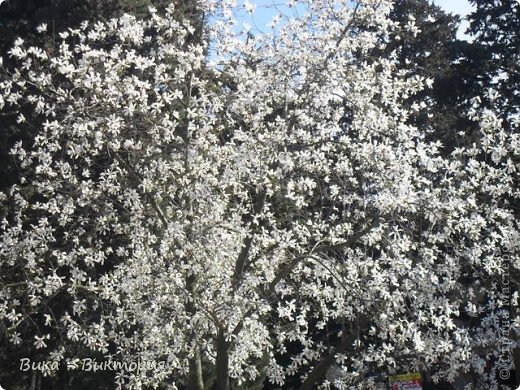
x=263, y=209
x=24, y=18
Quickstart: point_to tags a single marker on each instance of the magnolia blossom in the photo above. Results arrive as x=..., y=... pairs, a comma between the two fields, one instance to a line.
x=265, y=211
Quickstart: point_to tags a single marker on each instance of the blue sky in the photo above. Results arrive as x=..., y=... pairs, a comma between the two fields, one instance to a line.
x=461, y=7
x=265, y=10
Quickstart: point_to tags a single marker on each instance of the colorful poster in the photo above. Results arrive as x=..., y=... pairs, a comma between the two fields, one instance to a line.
x=410, y=381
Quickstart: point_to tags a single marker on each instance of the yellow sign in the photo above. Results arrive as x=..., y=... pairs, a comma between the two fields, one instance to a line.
x=406, y=377
x=409, y=381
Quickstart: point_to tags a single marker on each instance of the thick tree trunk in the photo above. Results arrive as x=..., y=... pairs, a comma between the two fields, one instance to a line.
x=322, y=367
x=222, y=361
x=318, y=372
x=196, y=379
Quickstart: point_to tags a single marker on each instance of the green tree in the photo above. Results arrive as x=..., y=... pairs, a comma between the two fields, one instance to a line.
x=495, y=25
x=425, y=44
